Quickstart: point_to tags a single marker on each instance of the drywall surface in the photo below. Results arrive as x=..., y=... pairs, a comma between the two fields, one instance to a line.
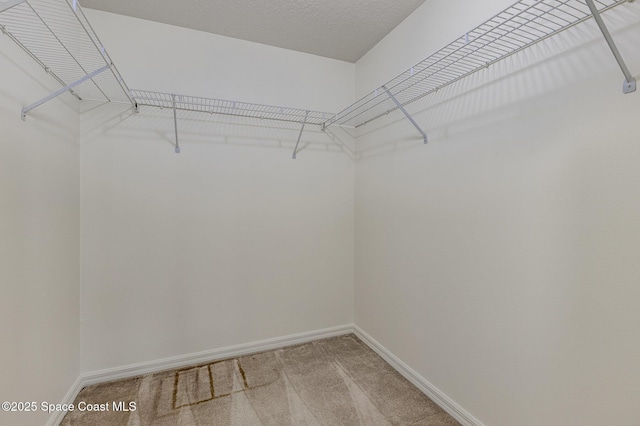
x=230, y=241
x=421, y=34
x=500, y=261
x=172, y=59
x=39, y=240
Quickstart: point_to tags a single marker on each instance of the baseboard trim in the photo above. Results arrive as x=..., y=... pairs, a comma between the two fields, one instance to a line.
x=133, y=370
x=74, y=390
x=179, y=361
x=447, y=404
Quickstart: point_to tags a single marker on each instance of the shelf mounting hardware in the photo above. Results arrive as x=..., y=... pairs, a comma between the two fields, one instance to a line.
x=175, y=122
x=404, y=111
x=629, y=84
x=295, y=150
x=59, y=92
x=524, y=24
x=9, y=4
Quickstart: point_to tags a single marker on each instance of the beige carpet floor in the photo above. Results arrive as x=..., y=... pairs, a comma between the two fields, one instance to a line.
x=337, y=381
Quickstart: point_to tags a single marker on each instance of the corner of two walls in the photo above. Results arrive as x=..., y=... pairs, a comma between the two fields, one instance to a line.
x=117, y=251
x=39, y=240
x=230, y=241
x=499, y=261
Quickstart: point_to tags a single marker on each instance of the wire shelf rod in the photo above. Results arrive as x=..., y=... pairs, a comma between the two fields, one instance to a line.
x=58, y=36
x=208, y=106
x=521, y=25
x=55, y=36
x=35, y=58
x=86, y=25
x=485, y=44
x=229, y=108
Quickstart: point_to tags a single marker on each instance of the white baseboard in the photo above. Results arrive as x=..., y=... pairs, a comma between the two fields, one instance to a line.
x=179, y=361
x=57, y=416
x=171, y=363
x=437, y=396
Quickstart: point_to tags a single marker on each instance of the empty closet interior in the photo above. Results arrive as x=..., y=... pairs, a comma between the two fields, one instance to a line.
x=464, y=197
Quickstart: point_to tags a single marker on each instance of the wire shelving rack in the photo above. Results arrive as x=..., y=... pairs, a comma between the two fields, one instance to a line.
x=230, y=108
x=225, y=107
x=58, y=36
x=524, y=24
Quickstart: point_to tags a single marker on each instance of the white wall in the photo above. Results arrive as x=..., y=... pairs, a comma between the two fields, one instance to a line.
x=231, y=241
x=171, y=59
x=39, y=239
x=501, y=260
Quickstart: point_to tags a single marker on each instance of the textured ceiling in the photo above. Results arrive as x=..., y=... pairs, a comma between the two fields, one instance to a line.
x=339, y=29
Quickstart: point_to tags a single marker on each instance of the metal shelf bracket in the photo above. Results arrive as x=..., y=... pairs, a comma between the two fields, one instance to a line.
x=404, y=111
x=629, y=85
x=175, y=123
x=295, y=150
x=524, y=24
x=59, y=92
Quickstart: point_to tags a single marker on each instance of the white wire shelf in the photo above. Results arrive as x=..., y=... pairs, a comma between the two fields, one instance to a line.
x=524, y=24
x=233, y=108
x=58, y=36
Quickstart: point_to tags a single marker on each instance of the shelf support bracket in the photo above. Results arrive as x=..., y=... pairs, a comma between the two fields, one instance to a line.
x=175, y=122
x=295, y=150
x=9, y=4
x=629, y=84
x=406, y=114
x=59, y=92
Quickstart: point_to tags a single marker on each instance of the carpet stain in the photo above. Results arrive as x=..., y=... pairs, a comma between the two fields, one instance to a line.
x=336, y=381
x=244, y=376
